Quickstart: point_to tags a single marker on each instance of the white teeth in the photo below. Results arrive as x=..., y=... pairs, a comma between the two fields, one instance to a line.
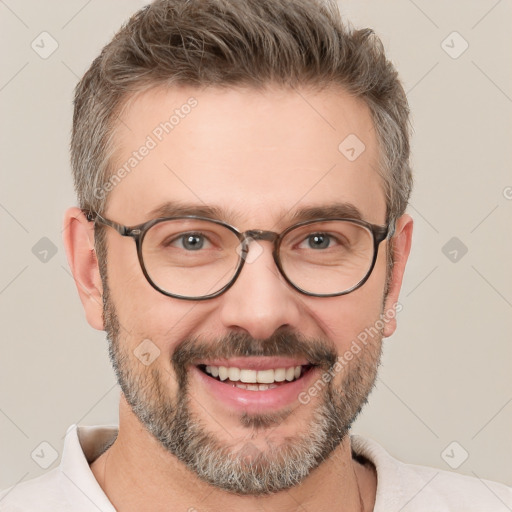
x=234, y=374
x=247, y=376
x=290, y=374
x=280, y=375
x=265, y=376
x=255, y=387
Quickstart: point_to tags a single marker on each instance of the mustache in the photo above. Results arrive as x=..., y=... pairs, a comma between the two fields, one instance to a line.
x=239, y=344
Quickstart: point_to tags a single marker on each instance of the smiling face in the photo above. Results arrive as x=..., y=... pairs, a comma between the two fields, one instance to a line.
x=218, y=381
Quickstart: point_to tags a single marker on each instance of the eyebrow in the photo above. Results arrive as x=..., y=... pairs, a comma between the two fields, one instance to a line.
x=337, y=210
x=330, y=211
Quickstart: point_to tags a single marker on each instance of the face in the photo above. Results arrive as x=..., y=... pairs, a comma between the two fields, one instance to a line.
x=258, y=157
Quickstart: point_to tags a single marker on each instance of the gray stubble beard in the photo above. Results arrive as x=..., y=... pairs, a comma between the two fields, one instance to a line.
x=240, y=467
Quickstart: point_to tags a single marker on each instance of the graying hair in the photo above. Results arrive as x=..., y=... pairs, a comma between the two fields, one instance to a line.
x=230, y=43
x=236, y=43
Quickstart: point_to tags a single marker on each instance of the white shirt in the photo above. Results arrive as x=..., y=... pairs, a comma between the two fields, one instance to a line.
x=71, y=487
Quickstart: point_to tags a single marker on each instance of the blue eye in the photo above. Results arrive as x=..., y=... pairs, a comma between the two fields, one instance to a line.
x=189, y=241
x=192, y=242
x=319, y=241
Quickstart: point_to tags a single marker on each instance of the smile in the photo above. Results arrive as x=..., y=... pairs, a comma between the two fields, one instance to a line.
x=255, y=380
x=253, y=384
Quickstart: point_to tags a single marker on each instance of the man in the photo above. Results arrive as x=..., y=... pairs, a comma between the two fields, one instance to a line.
x=257, y=154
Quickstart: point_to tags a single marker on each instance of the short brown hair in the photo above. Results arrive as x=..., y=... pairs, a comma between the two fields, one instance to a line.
x=230, y=43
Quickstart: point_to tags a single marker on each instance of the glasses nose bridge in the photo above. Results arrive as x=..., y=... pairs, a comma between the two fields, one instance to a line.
x=260, y=234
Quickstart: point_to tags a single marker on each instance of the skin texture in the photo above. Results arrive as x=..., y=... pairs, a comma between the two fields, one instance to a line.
x=259, y=155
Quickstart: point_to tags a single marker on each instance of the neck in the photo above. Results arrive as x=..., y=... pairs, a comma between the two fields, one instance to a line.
x=137, y=473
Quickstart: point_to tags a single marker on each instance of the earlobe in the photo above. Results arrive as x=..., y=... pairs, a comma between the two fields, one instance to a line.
x=401, y=249
x=78, y=237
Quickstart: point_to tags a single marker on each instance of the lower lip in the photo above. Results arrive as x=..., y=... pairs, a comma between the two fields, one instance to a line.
x=244, y=400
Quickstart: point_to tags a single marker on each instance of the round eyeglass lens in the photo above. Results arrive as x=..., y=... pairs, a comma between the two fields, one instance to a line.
x=190, y=257
x=327, y=257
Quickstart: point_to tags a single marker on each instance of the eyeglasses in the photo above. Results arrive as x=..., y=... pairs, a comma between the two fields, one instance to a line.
x=197, y=258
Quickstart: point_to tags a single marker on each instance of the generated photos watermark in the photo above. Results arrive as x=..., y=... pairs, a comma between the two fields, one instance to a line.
x=355, y=348
x=152, y=140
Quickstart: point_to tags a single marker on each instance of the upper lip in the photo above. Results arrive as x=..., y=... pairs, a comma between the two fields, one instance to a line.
x=255, y=363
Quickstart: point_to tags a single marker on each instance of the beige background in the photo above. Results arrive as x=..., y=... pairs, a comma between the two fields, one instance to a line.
x=446, y=374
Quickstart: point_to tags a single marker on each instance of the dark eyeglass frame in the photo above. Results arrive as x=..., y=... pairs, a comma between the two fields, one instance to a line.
x=138, y=232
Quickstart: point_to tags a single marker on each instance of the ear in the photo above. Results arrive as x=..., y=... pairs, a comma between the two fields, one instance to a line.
x=78, y=237
x=401, y=248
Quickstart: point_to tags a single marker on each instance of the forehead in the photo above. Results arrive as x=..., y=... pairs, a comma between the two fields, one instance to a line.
x=251, y=155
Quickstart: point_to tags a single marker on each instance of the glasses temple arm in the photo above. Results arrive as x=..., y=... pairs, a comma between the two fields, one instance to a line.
x=391, y=228
x=97, y=218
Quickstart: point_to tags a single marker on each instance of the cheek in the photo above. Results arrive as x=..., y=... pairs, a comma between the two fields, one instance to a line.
x=345, y=318
x=143, y=312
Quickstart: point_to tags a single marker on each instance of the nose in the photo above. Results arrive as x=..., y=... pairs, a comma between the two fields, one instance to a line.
x=260, y=301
